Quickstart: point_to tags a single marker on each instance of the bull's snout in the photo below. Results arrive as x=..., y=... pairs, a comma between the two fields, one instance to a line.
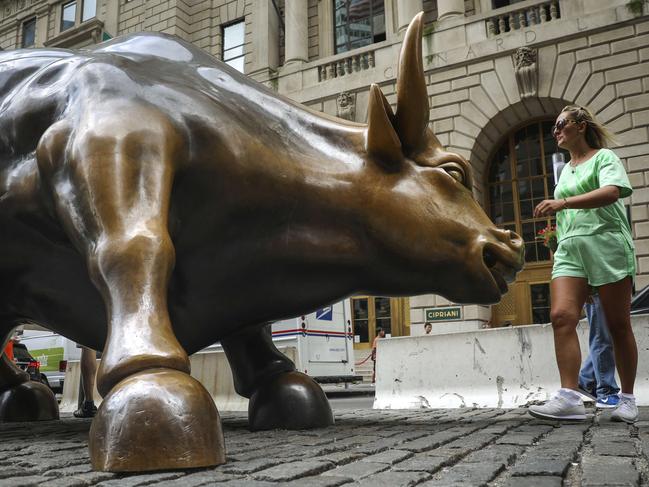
x=503, y=254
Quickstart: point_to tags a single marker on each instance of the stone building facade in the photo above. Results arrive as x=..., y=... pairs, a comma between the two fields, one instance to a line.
x=498, y=72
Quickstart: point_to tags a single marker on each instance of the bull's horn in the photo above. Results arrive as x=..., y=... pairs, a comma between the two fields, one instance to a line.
x=382, y=140
x=412, y=96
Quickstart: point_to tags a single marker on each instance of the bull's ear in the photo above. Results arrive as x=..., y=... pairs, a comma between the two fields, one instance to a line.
x=412, y=95
x=382, y=141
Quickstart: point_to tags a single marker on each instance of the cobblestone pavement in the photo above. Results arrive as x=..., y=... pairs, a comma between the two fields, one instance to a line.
x=460, y=447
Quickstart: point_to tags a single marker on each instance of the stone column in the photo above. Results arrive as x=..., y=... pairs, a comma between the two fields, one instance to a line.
x=326, y=28
x=111, y=19
x=297, y=31
x=43, y=13
x=449, y=8
x=264, y=52
x=406, y=10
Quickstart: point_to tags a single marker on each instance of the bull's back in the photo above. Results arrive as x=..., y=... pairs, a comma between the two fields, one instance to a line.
x=18, y=66
x=38, y=87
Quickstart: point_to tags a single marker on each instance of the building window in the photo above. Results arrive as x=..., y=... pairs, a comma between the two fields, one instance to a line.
x=233, y=45
x=89, y=10
x=360, y=319
x=540, y=294
x=383, y=315
x=29, y=33
x=521, y=175
x=68, y=15
x=369, y=314
x=358, y=23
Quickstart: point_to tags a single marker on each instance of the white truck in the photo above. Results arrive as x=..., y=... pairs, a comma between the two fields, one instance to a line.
x=324, y=341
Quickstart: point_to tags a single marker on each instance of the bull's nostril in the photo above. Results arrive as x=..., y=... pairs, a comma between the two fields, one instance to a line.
x=489, y=258
x=507, y=237
x=515, y=237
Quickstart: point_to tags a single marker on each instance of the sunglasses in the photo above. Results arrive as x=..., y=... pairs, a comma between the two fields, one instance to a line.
x=559, y=126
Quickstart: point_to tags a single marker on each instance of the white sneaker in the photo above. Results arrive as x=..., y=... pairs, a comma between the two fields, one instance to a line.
x=626, y=411
x=558, y=407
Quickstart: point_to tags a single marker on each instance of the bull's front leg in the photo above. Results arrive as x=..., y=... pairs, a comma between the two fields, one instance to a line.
x=22, y=399
x=111, y=182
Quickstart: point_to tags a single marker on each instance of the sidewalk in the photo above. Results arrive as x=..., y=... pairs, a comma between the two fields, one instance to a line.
x=433, y=447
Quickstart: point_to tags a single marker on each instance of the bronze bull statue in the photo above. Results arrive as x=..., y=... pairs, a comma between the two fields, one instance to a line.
x=154, y=201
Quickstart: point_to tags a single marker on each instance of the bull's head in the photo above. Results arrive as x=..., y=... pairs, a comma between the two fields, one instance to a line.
x=437, y=238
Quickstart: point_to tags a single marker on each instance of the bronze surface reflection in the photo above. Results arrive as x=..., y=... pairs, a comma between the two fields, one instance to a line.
x=155, y=201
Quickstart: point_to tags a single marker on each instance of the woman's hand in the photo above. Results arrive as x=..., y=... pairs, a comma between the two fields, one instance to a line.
x=549, y=207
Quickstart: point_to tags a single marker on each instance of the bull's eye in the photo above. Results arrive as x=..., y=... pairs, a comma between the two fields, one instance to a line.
x=455, y=171
x=457, y=175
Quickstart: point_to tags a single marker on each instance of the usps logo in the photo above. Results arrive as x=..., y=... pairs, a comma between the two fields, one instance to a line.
x=325, y=314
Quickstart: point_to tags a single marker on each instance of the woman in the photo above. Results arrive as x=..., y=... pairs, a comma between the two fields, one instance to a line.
x=595, y=249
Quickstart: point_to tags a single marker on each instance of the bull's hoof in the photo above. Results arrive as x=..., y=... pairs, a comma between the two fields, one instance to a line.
x=29, y=401
x=290, y=400
x=157, y=419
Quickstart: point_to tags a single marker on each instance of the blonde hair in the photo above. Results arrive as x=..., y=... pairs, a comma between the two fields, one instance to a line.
x=597, y=135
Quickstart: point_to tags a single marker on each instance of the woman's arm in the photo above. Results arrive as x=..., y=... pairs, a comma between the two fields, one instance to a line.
x=594, y=199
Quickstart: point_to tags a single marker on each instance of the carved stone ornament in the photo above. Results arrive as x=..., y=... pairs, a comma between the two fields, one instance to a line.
x=346, y=106
x=526, y=69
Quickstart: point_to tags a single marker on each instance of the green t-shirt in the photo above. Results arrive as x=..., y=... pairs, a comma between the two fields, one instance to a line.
x=603, y=169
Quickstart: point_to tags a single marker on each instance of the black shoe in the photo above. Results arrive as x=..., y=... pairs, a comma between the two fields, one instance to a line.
x=584, y=391
x=87, y=410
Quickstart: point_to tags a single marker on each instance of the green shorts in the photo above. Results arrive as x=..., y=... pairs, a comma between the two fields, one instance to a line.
x=601, y=259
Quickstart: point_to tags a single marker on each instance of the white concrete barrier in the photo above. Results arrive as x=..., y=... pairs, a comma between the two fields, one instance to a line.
x=500, y=367
x=213, y=371
x=211, y=368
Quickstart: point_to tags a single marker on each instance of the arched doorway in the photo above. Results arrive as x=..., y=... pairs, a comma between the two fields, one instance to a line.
x=520, y=174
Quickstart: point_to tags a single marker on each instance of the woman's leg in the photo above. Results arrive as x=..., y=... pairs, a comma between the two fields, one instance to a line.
x=587, y=375
x=568, y=296
x=616, y=304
